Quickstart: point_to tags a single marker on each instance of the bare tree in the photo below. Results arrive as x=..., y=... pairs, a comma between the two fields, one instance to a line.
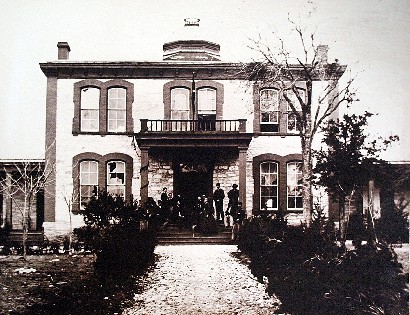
x=24, y=179
x=278, y=68
x=71, y=197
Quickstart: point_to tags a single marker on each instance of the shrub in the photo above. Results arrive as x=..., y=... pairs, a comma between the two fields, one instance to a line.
x=311, y=274
x=112, y=230
x=393, y=226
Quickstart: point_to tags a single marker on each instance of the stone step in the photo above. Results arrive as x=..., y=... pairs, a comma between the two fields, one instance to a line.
x=187, y=233
x=194, y=240
x=172, y=234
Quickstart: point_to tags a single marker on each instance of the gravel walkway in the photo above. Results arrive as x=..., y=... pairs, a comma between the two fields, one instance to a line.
x=201, y=279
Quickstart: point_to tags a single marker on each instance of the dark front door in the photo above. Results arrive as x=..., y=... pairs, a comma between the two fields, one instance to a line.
x=192, y=179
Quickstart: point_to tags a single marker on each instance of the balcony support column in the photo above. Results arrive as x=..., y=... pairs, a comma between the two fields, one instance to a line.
x=144, y=174
x=242, y=176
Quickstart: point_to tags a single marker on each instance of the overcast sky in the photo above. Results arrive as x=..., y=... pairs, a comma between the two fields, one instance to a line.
x=370, y=36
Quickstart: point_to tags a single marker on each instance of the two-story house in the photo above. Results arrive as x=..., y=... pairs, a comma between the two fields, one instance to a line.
x=186, y=123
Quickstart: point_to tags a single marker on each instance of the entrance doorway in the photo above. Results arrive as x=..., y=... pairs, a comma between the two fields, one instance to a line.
x=192, y=179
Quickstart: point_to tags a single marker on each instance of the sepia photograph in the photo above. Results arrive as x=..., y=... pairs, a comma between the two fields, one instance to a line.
x=204, y=157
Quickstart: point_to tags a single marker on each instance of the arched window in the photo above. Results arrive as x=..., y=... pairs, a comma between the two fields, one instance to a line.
x=117, y=109
x=269, y=185
x=206, y=101
x=180, y=103
x=90, y=105
x=291, y=121
x=294, y=185
x=103, y=107
x=269, y=110
x=206, y=108
x=88, y=181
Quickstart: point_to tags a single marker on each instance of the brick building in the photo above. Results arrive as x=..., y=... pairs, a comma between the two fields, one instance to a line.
x=185, y=123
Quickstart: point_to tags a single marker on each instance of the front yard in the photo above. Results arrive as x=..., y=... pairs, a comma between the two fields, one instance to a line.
x=59, y=284
x=63, y=284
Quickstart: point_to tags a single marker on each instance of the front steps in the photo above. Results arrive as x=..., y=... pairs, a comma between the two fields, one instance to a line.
x=171, y=234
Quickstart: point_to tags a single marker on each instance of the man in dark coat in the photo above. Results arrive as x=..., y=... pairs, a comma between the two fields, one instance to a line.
x=218, y=198
x=165, y=203
x=233, y=196
x=238, y=215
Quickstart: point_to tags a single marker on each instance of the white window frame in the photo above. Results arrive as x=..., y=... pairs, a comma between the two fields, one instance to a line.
x=294, y=185
x=206, y=101
x=273, y=104
x=267, y=182
x=176, y=103
x=86, y=176
x=117, y=106
x=291, y=117
x=90, y=107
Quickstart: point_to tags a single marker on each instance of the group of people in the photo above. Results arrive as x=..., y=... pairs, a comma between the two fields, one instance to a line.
x=234, y=214
x=201, y=215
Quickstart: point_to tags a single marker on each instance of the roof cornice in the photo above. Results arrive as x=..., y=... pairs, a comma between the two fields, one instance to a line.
x=214, y=70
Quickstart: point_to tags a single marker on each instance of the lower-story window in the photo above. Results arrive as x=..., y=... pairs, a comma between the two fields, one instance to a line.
x=269, y=185
x=116, y=178
x=88, y=181
x=294, y=185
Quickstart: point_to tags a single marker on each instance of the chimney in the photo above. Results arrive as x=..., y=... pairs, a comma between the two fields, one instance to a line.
x=322, y=53
x=63, y=50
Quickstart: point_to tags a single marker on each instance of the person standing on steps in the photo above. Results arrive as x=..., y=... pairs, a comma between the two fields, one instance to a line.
x=238, y=215
x=233, y=196
x=165, y=203
x=218, y=198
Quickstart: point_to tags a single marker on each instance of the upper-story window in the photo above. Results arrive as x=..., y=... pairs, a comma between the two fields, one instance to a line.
x=117, y=109
x=180, y=103
x=90, y=105
x=103, y=107
x=294, y=185
x=116, y=178
x=269, y=185
x=291, y=120
x=206, y=101
x=206, y=108
x=269, y=110
x=88, y=181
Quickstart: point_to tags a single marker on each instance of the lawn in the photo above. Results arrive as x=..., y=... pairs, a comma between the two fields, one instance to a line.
x=59, y=284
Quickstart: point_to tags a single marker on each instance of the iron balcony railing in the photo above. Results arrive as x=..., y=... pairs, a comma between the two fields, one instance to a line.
x=217, y=126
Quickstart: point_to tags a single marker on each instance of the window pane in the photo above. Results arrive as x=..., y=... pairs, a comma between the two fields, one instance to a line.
x=269, y=100
x=88, y=181
x=89, y=120
x=116, y=98
x=206, y=101
x=180, y=99
x=90, y=98
x=116, y=120
x=116, y=178
x=269, y=185
x=265, y=167
x=294, y=185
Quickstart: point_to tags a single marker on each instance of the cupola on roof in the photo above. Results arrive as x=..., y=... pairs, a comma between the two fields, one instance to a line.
x=190, y=44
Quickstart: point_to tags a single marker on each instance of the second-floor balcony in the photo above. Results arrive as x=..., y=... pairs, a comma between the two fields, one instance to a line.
x=193, y=126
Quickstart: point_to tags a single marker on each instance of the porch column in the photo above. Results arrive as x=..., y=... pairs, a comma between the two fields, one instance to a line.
x=144, y=174
x=242, y=176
